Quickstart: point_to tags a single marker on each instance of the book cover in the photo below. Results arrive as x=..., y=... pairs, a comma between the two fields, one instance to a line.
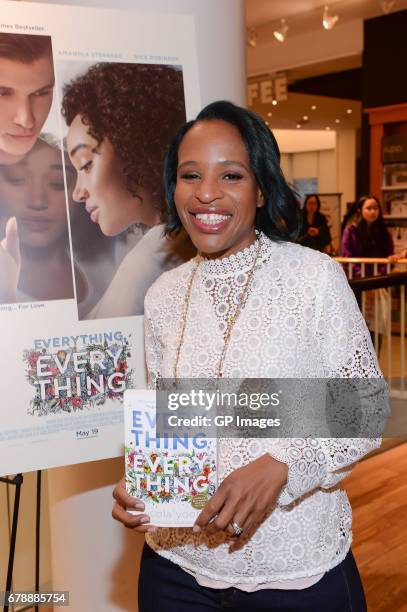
x=174, y=475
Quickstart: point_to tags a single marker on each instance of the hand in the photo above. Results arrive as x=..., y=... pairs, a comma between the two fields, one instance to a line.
x=138, y=522
x=313, y=231
x=245, y=497
x=394, y=258
x=10, y=263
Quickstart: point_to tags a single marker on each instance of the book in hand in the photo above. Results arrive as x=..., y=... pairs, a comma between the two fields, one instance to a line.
x=174, y=475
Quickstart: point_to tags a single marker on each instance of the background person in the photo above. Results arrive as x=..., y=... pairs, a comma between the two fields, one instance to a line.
x=367, y=236
x=26, y=90
x=276, y=534
x=121, y=118
x=314, y=232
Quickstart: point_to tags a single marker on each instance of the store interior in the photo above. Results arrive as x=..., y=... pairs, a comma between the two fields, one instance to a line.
x=328, y=79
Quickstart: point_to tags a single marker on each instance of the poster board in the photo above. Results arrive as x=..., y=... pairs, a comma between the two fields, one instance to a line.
x=68, y=353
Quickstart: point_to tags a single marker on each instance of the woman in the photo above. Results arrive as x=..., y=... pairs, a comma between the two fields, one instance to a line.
x=35, y=265
x=314, y=230
x=121, y=118
x=367, y=236
x=250, y=306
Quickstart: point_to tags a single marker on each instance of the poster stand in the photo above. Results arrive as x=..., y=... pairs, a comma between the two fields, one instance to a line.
x=17, y=480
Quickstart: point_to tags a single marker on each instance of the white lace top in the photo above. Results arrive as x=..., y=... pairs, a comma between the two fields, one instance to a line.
x=300, y=320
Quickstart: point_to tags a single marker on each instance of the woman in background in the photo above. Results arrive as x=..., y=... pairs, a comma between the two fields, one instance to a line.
x=367, y=236
x=121, y=118
x=315, y=232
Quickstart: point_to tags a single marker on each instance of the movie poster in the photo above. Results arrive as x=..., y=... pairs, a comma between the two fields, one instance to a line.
x=89, y=100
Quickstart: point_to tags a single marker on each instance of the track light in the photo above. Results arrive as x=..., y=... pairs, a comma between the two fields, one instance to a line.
x=387, y=6
x=328, y=21
x=252, y=37
x=281, y=34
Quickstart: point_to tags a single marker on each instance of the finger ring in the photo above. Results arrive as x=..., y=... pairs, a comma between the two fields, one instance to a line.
x=238, y=530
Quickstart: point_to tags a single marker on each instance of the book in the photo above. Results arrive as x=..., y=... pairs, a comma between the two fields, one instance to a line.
x=175, y=474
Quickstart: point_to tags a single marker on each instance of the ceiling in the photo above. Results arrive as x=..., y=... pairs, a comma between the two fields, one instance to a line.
x=303, y=13
x=290, y=113
x=305, y=16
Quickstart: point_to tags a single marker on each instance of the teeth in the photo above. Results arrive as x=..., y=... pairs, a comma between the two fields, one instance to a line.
x=211, y=218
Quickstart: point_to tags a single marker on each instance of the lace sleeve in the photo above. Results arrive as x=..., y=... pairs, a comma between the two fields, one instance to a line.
x=347, y=352
x=152, y=348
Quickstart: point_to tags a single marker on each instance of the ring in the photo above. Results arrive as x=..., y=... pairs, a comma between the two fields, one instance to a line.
x=238, y=530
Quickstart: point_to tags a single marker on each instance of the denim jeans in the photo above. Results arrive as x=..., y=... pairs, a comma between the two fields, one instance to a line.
x=165, y=587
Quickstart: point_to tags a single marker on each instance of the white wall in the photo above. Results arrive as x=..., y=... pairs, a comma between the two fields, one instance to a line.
x=332, y=159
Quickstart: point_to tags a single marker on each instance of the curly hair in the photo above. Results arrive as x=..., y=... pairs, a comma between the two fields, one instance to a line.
x=137, y=107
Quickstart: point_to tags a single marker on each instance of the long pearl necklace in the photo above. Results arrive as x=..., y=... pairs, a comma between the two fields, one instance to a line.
x=231, y=321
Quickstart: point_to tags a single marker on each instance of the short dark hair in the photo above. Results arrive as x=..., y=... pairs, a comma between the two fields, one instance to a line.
x=279, y=218
x=137, y=107
x=25, y=48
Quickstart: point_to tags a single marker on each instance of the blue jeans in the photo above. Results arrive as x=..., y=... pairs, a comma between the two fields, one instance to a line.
x=165, y=587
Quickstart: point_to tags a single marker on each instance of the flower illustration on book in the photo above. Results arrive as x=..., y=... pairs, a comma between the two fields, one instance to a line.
x=155, y=477
x=78, y=379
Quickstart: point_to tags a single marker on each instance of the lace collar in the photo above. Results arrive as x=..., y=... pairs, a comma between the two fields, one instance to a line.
x=238, y=262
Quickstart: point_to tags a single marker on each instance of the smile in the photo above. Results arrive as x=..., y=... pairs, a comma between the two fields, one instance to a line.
x=210, y=222
x=211, y=218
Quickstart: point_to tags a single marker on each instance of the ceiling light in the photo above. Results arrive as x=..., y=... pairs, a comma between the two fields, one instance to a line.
x=313, y=107
x=274, y=102
x=387, y=5
x=327, y=127
x=267, y=123
x=305, y=117
x=269, y=114
x=337, y=120
x=328, y=21
x=281, y=34
x=252, y=37
x=298, y=125
x=349, y=111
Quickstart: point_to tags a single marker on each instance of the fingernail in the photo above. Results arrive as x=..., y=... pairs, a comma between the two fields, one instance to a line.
x=152, y=529
x=145, y=519
x=196, y=529
x=139, y=507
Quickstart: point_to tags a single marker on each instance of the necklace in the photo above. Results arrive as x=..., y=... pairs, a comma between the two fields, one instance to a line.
x=231, y=321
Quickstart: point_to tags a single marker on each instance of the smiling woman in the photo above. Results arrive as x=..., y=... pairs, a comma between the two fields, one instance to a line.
x=276, y=534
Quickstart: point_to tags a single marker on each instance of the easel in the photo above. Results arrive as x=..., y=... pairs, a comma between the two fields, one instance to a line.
x=17, y=481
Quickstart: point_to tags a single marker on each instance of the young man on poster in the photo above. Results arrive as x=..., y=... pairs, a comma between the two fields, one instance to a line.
x=26, y=89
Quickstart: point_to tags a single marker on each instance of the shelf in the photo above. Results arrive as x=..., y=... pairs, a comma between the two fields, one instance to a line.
x=402, y=187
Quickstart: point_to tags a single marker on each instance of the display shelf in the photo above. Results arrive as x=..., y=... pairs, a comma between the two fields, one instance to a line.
x=395, y=187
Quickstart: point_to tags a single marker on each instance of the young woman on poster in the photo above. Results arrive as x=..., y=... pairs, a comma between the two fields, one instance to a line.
x=35, y=262
x=276, y=534
x=121, y=118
